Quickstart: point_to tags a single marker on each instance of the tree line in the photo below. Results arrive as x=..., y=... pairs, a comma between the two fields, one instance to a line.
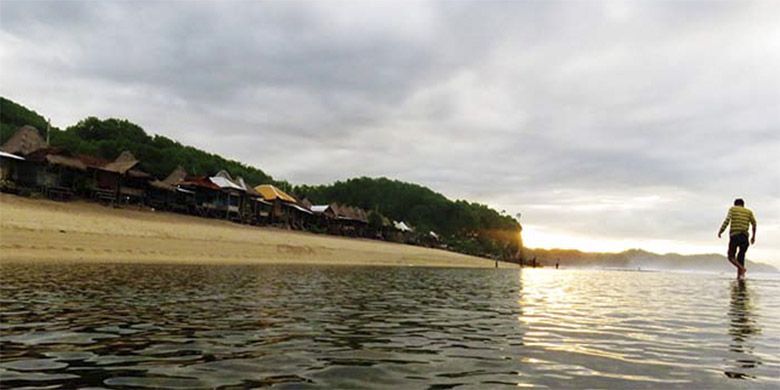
x=463, y=226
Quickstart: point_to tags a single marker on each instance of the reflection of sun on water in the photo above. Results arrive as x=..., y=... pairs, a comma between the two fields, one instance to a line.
x=557, y=311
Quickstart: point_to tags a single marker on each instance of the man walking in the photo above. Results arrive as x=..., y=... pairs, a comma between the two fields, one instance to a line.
x=740, y=219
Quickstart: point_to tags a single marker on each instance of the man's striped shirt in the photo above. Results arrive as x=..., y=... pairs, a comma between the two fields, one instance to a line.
x=740, y=219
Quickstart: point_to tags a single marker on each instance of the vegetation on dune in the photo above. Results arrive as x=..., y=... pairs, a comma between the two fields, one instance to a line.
x=466, y=227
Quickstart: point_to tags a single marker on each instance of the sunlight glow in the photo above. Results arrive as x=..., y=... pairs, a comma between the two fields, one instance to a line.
x=546, y=238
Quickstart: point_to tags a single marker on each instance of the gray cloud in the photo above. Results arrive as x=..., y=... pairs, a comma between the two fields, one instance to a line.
x=627, y=120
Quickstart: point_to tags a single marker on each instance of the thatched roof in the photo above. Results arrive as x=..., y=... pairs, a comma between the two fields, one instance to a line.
x=92, y=161
x=57, y=156
x=122, y=164
x=349, y=212
x=176, y=176
x=25, y=141
x=271, y=193
x=65, y=161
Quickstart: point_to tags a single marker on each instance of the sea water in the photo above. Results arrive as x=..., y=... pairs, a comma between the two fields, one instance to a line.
x=210, y=326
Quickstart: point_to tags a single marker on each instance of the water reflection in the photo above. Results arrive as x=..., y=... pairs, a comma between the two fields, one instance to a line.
x=742, y=327
x=121, y=326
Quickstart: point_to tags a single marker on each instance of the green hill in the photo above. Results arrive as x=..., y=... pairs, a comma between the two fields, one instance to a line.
x=107, y=138
x=465, y=227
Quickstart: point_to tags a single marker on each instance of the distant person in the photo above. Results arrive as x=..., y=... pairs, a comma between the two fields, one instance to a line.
x=557, y=263
x=740, y=218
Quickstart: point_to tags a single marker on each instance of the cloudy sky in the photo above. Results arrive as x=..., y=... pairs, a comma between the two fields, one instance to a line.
x=608, y=125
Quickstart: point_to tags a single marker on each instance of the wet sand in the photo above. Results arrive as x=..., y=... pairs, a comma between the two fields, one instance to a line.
x=46, y=231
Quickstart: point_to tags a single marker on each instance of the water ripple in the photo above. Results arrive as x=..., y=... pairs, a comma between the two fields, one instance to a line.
x=166, y=326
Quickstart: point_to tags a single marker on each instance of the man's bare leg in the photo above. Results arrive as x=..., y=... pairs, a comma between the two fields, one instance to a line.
x=740, y=268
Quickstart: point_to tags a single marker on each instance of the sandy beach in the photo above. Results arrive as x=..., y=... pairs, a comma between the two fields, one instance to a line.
x=47, y=231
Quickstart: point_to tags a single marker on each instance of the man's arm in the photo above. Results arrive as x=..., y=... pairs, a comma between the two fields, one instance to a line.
x=753, y=223
x=725, y=223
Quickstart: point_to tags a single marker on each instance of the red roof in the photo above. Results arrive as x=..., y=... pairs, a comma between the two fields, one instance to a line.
x=199, y=181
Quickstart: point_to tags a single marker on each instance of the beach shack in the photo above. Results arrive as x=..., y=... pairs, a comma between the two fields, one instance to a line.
x=57, y=172
x=166, y=194
x=350, y=221
x=118, y=181
x=403, y=232
x=254, y=210
x=282, y=210
x=206, y=195
x=231, y=199
x=9, y=167
x=18, y=173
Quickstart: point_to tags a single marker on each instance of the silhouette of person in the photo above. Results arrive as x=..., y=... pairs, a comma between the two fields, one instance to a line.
x=740, y=218
x=741, y=327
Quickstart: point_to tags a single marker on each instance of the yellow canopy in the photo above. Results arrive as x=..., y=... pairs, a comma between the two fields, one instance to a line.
x=270, y=193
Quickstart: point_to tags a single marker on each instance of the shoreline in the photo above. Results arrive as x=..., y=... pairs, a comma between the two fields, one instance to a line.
x=45, y=231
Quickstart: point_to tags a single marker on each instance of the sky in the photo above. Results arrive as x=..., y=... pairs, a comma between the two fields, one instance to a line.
x=605, y=125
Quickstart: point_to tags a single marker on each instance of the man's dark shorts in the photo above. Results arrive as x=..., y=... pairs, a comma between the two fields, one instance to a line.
x=742, y=242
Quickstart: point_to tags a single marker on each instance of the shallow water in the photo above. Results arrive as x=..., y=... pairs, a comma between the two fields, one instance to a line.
x=182, y=326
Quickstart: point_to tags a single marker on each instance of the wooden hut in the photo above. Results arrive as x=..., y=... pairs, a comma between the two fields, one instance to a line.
x=57, y=172
x=206, y=196
x=167, y=195
x=9, y=168
x=351, y=221
x=118, y=181
x=18, y=173
x=285, y=209
x=254, y=209
x=233, y=195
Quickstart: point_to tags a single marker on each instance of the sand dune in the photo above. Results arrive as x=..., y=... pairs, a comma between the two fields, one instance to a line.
x=42, y=230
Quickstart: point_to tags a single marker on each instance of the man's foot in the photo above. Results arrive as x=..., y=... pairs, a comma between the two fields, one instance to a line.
x=739, y=266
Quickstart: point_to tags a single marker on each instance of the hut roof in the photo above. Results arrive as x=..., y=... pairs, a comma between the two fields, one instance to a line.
x=270, y=192
x=319, y=209
x=123, y=163
x=199, y=181
x=224, y=183
x=137, y=173
x=57, y=156
x=176, y=176
x=349, y=212
x=299, y=208
x=66, y=161
x=92, y=161
x=25, y=141
x=402, y=226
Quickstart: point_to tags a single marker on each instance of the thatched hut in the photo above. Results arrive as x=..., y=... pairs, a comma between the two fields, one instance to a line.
x=25, y=140
x=285, y=209
x=9, y=169
x=206, y=195
x=57, y=173
x=18, y=173
x=118, y=181
x=167, y=195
